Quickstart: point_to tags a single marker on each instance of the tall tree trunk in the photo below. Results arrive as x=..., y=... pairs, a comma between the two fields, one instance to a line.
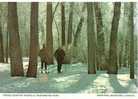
x=100, y=36
x=79, y=27
x=78, y=31
x=91, y=39
x=77, y=35
x=1, y=46
x=70, y=23
x=7, y=47
x=32, y=69
x=63, y=23
x=126, y=40
x=49, y=34
x=113, y=69
x=14, y=41
x=136, y=48
x=131, y=31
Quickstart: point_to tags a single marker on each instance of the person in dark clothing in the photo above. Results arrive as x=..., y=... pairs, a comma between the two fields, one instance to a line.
x=43, y=53
x=59, y=55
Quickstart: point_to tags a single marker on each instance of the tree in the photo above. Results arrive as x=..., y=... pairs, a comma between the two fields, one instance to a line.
x=113, y=69
x=77, y=35
x=1, y=46
x=91, y=38
x=14, y=41
x=1, y=38
x=131, y=31
x=49, y=34
x=100, y=36
x=78, y=31
x=7, y=47
x=32, y=69
x=79, y=27
x=70, y=23
x=63, y=23
x=126, y=61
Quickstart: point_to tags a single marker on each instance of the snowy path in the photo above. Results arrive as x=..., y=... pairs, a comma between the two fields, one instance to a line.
x=74, y=79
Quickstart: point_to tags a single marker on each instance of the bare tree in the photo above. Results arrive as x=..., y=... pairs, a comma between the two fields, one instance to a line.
x=1, y=46
x=32, y=69
x=14, y=39
x=49, y=34
x=63, y=23
x=113, y=69
x=131, y=31
x=100, y=36
x=70, y=23
x=91, y=39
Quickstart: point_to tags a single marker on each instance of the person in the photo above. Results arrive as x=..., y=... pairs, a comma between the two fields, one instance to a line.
x=43, y=53
x=59, y=55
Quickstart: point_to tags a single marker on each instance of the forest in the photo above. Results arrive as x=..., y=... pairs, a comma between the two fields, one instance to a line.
x=70, y=45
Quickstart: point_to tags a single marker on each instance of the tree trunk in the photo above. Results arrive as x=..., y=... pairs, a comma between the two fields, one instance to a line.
x=78, y=31
x=79, y=27
x=7, y=47
x=70, y=24
x=126, y=40
x=91, y=39
x=100, y=37
x=113, y=69
x=14, y=41
x=32, y=69
x=1, y=46
x=77, y=35
x=63, y=23
x=131, y=31
x=136, y=48
x=49, y=34
x=120, y=54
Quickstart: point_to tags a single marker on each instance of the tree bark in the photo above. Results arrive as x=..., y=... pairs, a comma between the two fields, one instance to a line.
x=49, y=34
x=126, y=61
x=131, y=31
x=70, y=24
x=100, y=36
x=14, y=39
x=91, y=39
x=1, y=46
x=113, y=69
x=78, y=31
x=7, y=47
x=79, y=27
x=63, y=24
x=32, y=69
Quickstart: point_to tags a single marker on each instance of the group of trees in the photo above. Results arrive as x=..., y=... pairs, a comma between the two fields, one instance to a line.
x=99, y=56
x=112, y=61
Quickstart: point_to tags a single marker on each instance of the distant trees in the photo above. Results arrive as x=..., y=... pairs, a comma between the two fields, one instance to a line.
x=14, y=41
x=32, y=69
x=113, y=69
x=91, y=39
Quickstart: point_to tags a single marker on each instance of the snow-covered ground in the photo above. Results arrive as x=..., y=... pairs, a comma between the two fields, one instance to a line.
x=74, y=79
